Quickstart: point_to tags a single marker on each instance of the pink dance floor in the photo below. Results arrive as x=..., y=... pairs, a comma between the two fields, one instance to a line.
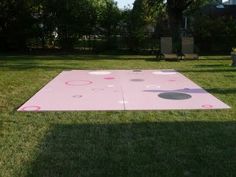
x=84, y=90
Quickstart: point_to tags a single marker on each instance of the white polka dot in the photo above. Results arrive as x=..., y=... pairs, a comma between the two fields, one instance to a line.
x=100, y=73
x=153, y=86
x=78, y=83
x=48, y=89
x=31, y=108
x=164, y=73
x=110, y=86
x=122, y=102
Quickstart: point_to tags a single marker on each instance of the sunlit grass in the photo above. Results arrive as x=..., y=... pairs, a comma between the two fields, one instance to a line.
x=152, y=143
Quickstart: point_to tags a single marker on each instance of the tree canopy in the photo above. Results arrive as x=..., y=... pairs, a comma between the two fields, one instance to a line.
x=63, y=23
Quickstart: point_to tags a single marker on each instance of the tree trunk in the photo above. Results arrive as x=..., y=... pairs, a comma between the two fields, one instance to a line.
x=175, y=21
x=43, y=41
x=66, y=41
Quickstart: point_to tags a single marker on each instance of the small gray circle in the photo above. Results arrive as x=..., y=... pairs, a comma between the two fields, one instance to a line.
x=174, y=96
x=97, y=89
x=137, y=80
x=137, y=70
x=77, y=96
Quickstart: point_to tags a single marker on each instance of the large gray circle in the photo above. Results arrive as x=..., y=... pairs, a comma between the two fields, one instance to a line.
x=174, y=96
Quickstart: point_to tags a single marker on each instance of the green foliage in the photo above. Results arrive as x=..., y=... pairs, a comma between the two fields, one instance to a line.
x=219, y=32
x=42, y=19
x=15, y=23
x=142, y=21
x=64, y=23
x=70, y=20
x=165, y=16
x=108, y=23
x=176, y=9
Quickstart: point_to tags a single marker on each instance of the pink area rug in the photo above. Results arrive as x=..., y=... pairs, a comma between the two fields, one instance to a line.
x=108, y=90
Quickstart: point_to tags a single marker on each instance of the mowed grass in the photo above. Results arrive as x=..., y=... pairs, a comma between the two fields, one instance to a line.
x=115, y=144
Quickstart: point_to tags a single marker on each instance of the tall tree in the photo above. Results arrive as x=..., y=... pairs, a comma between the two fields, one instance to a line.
x=143, y=16
x=108, y=16
x=176, y=9
x=73, y=19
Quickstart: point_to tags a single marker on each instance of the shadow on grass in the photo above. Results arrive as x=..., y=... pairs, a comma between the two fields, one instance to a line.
x=167, y=149
x=78, y=57
x=223, y=91
x=28, y=66
x=35, y=65
x=216, y=58
x=211, y=66
x=151, y=58
x=213, y=70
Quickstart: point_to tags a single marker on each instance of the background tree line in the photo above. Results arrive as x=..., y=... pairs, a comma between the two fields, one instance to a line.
x=99, y=25
x=55, y=22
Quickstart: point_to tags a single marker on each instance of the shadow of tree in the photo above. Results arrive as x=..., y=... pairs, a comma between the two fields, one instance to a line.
x=211, y=66
x=216, y=58
x=195, y=91
x=223, y=91
x=28, y=66
x=164, y=149
x=77, y=57
x=73, y=65
x=213, y=70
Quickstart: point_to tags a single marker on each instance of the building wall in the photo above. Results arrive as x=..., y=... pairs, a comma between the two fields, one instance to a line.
x=232, y=2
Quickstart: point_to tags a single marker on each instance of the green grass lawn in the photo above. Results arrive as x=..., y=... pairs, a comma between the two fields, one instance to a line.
x=115, y=144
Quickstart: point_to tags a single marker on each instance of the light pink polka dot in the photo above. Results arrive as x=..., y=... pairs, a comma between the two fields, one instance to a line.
x=207, y=106
x=109, y=78
x=110, y=86
x=78, y=82
x=31, y=108
x=98, y=89
x=172, y=80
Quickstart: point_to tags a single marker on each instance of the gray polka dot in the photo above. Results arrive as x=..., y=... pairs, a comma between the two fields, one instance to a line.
x=174, y=96
x=137, y=80
x=137, y=70
x=77, y=96
x=98, y=89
